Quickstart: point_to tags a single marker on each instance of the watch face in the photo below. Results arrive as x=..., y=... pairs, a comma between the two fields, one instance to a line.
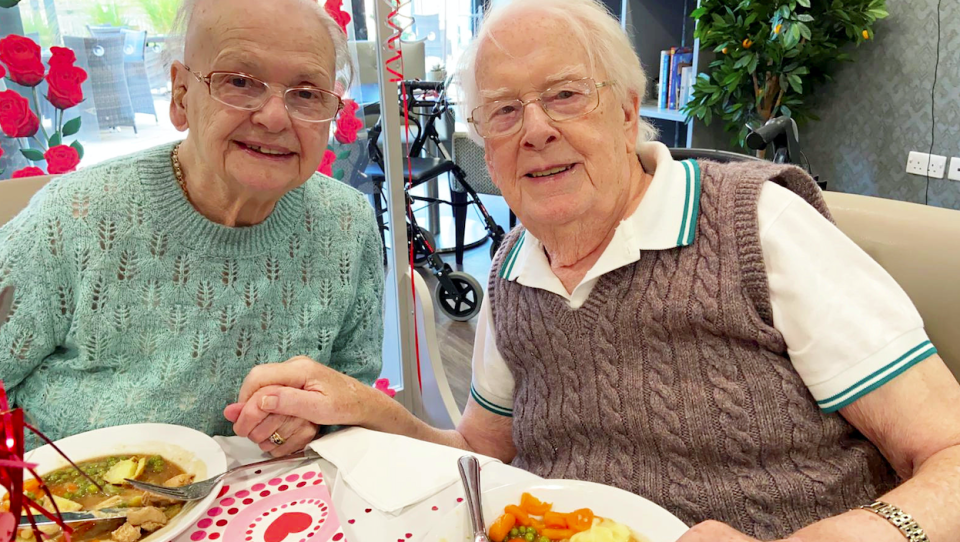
x=6, y=299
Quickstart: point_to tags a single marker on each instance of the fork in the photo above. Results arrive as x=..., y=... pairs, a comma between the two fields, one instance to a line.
x=198, y=490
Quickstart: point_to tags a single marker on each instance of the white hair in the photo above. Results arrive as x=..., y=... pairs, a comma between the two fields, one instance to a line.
x=589, y=22
x=345, y=68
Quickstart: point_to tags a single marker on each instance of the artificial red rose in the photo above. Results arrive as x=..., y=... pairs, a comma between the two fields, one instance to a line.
x=61, y=56
x=3, y=72
x=347, y=123
x=61, y=159
x=16, y=118
x=326, y=165
x=63, y=86
x=22, y=57
x=29, y=171
x=341, y=17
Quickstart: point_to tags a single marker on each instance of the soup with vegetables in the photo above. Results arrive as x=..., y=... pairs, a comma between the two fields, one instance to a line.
x=73, y=492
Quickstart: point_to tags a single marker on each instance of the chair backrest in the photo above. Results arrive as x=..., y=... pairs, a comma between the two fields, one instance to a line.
x=102, y=57
x=15, y=194
x=368, y=69
x=438, y=402
x=910, y=241
x=134, y=45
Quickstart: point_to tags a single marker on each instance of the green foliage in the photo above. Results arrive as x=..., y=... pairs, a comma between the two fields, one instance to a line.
x=106, y=13
x=772, y=55
x=162, y=14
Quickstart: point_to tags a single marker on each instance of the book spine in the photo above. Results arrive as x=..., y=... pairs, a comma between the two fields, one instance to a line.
x=664, y=79
x=672, y=86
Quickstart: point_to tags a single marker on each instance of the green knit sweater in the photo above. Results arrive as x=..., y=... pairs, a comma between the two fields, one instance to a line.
x=132, y=307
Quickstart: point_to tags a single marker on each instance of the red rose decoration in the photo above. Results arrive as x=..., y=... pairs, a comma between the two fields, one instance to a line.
x=347, y=123
x=16, y=118
x=326, y=166
x=341, y=17
x=22, y=57
x=29, y=171
x=63, y=84
x=61, y=57
x=61, y=159
x=3, y=72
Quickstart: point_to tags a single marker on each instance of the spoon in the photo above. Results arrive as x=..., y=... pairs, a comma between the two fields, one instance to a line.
x=470, y=475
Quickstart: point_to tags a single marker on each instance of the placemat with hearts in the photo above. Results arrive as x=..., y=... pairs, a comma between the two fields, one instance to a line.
x=272, y=506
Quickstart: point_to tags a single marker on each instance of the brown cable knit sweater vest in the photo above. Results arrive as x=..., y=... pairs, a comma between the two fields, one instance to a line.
x=671, y=382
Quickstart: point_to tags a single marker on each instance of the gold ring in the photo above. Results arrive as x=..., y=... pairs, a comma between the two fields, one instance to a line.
x=277, y=439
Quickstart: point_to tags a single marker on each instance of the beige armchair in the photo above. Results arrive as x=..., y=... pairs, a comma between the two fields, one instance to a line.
x=912, y=242
x=15, y=194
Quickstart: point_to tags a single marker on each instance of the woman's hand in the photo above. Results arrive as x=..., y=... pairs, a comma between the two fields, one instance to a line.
x=296, y=433
x=714, y=531
x=300, y=388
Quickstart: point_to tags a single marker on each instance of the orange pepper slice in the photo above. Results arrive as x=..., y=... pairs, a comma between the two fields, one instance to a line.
x=556, y=520
x=522, y=517
x=533, y=505
x=501, y=527
x=580, y=520
x=558, y=534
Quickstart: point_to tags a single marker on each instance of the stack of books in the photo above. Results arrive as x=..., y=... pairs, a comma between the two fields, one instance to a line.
x=676, y=78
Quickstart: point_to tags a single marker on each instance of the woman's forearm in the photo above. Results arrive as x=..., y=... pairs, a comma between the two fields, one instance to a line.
x=931, y=496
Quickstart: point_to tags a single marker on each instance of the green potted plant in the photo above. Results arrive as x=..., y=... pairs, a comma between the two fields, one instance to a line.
x=772, y=54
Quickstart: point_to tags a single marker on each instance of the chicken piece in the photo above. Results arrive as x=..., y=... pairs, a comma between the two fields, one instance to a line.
x=179, y=480
x=112, y=502
x=126, y=533
x=150, y=518
x=151, y=499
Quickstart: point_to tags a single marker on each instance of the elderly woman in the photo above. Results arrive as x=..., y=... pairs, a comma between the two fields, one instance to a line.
x=699, y=334
x=149, y=286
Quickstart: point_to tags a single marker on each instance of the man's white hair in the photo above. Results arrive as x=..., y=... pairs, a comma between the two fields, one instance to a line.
x=345, y=68
x=590, y=24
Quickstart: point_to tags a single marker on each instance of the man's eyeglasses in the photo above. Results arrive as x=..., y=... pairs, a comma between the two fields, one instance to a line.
x=566, y=101
x=246, y=92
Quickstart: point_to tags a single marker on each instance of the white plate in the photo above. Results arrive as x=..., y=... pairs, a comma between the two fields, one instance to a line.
x=195, y=452
x=645, y=518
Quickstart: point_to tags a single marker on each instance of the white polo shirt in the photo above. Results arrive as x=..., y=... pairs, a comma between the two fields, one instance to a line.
x=848, y=326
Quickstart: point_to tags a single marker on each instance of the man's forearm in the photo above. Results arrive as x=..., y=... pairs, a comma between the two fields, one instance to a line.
x=931, y=496
x=389, y=416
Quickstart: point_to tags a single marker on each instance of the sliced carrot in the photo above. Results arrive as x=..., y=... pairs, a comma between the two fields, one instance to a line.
x=533, y=505
x=31, y=485
x=536, y=524
x=522, y=517
x=558, y=534
x=580, y=520
x=501, y=527
x=72, y=487
x=516, y=540
x=556, y=520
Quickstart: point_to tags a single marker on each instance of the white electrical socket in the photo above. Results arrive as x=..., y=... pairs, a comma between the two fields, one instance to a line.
x=954, y=172
x=937, y=166
x=917, y=163
x=923, y=164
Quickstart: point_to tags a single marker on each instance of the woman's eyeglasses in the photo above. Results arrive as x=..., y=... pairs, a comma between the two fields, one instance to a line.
x=246, y=92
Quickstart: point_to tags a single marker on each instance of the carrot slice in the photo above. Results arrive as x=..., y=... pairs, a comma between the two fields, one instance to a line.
x=522, y=517
x=556, y=520
x=558, y=534
x=580, y=520
x=533, y=505
x=31, y=485
x=501, y=527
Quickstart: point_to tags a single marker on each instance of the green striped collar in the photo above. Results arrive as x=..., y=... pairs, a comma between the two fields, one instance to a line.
x=666, y=218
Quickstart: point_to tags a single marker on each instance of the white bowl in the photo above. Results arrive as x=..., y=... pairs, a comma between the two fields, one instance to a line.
x=195, y=452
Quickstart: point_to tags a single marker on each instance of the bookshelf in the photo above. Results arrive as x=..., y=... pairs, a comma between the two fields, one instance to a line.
x=656, y=25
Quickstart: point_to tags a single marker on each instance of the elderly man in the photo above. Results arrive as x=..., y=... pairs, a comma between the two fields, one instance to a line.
x=148, y=287
x=697, y=333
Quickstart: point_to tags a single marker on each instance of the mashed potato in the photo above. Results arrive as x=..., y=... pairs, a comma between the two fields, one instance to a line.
x=607, y=530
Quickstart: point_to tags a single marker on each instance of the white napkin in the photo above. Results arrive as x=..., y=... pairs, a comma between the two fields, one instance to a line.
x=391, y=472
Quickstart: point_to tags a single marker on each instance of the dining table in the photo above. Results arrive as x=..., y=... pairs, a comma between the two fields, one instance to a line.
x=286, y=494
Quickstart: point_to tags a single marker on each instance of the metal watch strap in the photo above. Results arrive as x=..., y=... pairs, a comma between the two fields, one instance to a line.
x=900, y=519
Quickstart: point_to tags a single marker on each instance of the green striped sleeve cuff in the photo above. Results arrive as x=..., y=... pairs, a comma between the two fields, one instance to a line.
x=878, y=377
x=496, y=409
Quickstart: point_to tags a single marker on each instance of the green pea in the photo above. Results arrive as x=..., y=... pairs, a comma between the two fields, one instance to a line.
x=523, y=530
x=92, y=489
x=514, y=533
x=529, y=537
x=544, y=539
